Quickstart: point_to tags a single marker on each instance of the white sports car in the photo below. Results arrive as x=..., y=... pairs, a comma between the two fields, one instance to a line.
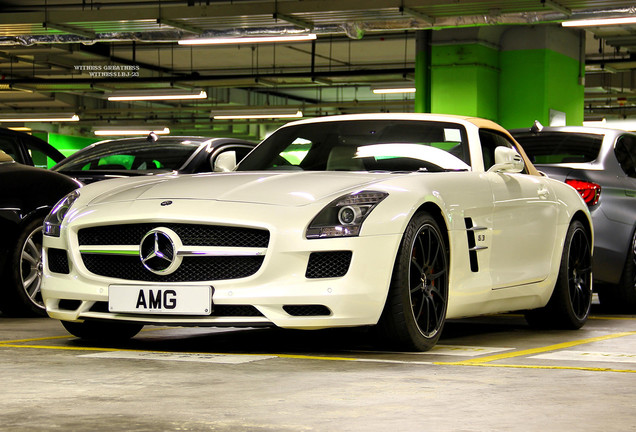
x=397, y=221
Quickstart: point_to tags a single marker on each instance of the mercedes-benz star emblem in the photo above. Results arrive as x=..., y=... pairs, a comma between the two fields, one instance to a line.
x=158, y=251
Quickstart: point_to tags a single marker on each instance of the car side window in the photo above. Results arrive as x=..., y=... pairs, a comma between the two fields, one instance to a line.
x=40, y=159
x=10, y=146
x=490, y=140
x=625, y=151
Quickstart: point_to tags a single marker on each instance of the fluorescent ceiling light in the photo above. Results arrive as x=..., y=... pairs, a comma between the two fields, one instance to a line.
x=248, y=39
x=256, y=114
x=157, y=94
x=40, y=117
x=593, y=22
x=394, y=90
x=130, y=131
x=20, y=129
x=393, y=87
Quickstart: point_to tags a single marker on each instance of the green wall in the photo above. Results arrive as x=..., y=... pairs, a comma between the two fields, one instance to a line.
x=65, y=143
x=465, y=80
x=513, y=84
x=533, y=82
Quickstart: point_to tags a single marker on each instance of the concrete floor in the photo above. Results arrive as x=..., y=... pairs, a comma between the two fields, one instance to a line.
x=487, y=374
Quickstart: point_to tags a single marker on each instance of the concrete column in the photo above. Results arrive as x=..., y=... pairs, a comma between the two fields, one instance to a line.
x=512, y=75
x=465, y=71
x=423, y=71
x=542, y=76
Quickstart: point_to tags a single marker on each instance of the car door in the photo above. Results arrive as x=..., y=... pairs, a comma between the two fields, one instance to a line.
x=625, y=151
x=524, y=221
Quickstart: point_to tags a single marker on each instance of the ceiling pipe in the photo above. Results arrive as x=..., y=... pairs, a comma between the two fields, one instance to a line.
x=196, y=77
x=354, y=30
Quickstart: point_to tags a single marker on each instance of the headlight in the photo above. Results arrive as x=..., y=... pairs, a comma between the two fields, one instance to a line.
x=53, y=221
x=344, y=216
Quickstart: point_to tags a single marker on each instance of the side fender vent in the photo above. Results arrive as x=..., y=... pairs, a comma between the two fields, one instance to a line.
x=472, y=244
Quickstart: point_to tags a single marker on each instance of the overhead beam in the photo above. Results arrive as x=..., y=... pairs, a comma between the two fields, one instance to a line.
x=419, y=15
x=293, y=20
x=69, y=29
x=179, y=25
x=211, y=78
x=557, y=7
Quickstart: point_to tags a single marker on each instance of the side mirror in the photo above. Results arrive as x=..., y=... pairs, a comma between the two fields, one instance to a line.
x=225, y=162
x=507, y=160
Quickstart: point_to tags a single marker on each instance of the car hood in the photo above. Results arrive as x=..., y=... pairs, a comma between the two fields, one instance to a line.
x=290, y=189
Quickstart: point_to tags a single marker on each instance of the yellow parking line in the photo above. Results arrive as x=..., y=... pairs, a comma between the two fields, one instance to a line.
x=67, y=348
x=35, y=339
x=578, y=368
x=480, y=361
x=486, y=361
x=63, y=348
x=626, y=318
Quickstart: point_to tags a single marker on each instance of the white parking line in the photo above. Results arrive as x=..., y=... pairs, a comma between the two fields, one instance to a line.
x=588, y=356
x=448, y=350
x=187, y=357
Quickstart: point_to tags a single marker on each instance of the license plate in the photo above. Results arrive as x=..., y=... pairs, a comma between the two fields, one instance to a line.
x=157, y=299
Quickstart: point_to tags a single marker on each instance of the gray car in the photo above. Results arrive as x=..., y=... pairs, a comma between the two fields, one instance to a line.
x=601, y=165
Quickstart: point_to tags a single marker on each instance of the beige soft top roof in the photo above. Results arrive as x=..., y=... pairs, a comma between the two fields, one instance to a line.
x=5, y=157
x=488, y=124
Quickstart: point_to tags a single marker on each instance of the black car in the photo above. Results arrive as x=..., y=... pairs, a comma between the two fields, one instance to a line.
x=28, y=150
x=26, y=197
x=601, y=164
x=153, y=155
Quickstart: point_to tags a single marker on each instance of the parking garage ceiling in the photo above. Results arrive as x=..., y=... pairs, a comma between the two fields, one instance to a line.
x=49, y=51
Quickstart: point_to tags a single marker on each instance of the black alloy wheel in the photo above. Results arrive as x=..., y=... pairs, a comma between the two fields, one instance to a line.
x=415, y=310
x=428, y=281
x=571, y=300
x=579, y=272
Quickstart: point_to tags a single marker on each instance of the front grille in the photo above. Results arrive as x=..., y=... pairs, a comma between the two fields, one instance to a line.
x=58, y=261
x=218, y=311
x=190, y=235
x=307, y=310
x=192, y=269
x=328, y=264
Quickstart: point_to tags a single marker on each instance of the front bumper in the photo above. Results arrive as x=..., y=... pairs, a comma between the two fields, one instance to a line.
x=279, y=293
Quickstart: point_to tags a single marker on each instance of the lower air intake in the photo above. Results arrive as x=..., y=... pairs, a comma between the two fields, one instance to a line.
x=307, y=310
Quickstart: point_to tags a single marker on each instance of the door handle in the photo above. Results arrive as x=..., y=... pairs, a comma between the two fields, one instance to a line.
x=543, y=192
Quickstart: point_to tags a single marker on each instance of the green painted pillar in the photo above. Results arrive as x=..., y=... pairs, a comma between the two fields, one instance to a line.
x=423, y=71
x=465, y=72
x=509, y=74
x=541, y=77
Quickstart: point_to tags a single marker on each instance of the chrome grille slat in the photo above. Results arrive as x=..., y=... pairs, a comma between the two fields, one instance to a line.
x=209, y=252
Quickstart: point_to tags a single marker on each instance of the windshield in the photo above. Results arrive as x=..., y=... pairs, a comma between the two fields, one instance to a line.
x=560, y=147
x=163, y=155
x=363, y=145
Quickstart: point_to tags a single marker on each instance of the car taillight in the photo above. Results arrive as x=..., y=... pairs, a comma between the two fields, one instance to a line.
x=590, y=192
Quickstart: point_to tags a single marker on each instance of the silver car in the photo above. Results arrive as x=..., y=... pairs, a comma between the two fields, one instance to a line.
x=601, y=165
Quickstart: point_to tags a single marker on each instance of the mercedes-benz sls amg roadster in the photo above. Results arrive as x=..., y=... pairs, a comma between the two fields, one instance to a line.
x=392, y=221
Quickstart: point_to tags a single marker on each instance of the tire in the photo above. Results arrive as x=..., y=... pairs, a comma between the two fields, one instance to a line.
x=20, y=291
x=415, y=309
x=571, y=300
x=102, y=331
x=622, y=297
